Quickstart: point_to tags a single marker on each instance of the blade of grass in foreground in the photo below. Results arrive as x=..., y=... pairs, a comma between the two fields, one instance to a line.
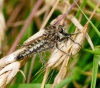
x=91, y=51
x=95, y=68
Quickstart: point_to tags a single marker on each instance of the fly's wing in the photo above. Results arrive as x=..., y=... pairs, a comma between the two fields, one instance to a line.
x=39, y=35
x=34, y=37
x=35, y=41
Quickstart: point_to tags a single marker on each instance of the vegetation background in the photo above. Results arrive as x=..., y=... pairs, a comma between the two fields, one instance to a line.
x=82, y=71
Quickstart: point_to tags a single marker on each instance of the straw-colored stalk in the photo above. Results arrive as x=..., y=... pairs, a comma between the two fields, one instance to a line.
x=2, y=23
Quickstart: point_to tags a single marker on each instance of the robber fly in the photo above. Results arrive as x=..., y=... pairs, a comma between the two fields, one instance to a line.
x=44, y=40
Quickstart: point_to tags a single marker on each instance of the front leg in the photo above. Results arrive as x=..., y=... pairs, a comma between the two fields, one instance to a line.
x=64, y=38
x=63, y=51
x=74, y=41
x=70, y=34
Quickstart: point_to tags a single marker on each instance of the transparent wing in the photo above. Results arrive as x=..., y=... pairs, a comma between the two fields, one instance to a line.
x=34, y=37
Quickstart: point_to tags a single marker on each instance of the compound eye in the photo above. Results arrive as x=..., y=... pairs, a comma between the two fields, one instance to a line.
x=61, y=29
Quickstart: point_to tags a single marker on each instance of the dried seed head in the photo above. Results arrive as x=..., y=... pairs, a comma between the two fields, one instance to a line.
x=8, y=72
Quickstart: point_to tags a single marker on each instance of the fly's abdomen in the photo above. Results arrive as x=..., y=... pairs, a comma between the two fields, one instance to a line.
x=25, y=53
x=43, y=45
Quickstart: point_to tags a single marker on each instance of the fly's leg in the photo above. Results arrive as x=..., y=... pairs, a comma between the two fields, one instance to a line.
x=68, y=36
x=74, y=41
x=63, y=51
x=42, y=59
x=74, y=33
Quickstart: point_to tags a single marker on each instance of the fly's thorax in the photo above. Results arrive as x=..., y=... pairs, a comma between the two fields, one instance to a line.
x=61, y=36
x=50, y=27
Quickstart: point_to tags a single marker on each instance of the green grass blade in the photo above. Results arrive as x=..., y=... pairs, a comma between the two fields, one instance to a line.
x=91, y=51
x=95, y=68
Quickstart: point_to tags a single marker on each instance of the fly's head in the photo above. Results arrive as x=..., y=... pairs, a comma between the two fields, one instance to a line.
x=61, y=32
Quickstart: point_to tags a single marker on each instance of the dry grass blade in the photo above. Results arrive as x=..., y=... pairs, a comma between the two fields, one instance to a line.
x=2, y=24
